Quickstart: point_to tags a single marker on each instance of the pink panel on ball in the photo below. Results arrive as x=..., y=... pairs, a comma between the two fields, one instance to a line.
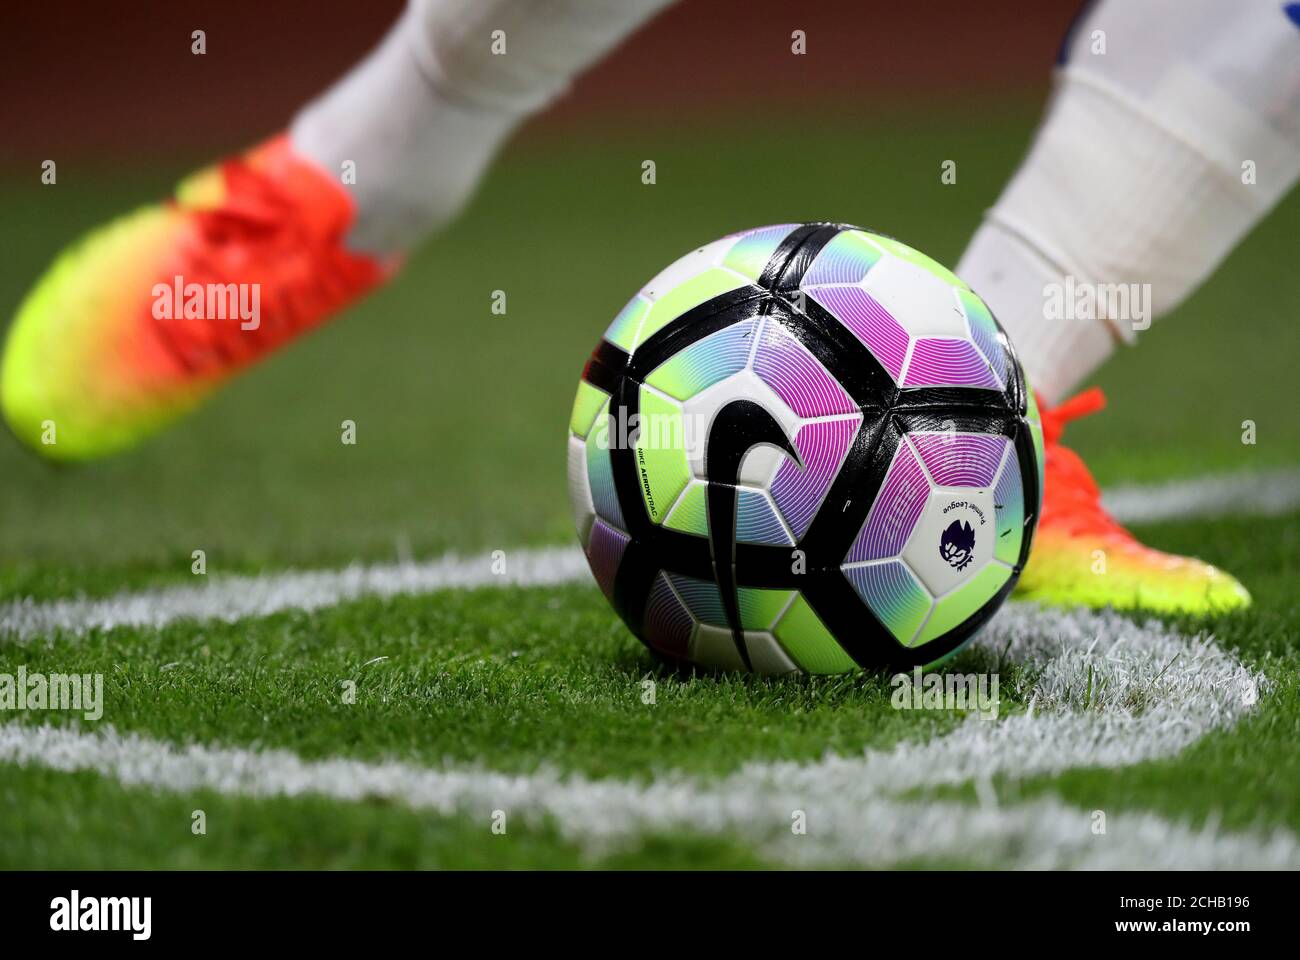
x=668, y=624
x=895, y=511
x=939, y=362
x=960, y=459
x=605, y=553
x=870, y=322
x=799, y=492
x=796, y=376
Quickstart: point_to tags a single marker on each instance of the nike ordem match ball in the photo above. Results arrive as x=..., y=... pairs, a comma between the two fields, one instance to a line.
x=805, y=447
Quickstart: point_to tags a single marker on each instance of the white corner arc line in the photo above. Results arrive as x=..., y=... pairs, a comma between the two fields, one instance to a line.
x=1260, y=493
x=1153, y=692
x=1149, y=693
x=234, y=598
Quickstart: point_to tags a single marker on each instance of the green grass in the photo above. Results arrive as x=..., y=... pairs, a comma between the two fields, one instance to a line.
x=461, y=420
x=1245, y=777
x=515, y=678
x=113, y=828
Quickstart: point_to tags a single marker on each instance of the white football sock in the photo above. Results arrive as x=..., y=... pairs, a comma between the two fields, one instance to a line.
x=421, y=117
x=1154, y=159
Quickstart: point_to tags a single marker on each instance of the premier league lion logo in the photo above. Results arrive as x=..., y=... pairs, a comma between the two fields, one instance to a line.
x=957, y=545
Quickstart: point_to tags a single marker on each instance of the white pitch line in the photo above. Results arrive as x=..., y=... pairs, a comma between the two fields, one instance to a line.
x=1263, y=493
x=236, y=597
x=1110, y=693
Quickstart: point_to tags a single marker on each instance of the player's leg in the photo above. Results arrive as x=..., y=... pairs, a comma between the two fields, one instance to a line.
x=1174, y=127
x=121, y=335
x=423, y=116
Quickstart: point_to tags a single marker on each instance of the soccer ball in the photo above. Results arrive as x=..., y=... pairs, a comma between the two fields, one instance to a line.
x=805, y=447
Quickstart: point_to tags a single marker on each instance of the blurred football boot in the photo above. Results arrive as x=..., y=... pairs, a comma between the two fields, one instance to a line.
x=1082, y=557
x=103, y=353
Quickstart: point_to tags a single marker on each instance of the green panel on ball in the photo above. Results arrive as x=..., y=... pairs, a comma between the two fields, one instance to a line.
x=585, y=407
x=622, y=332
x=751, y=252
x=1031, y=406
x=691, y=515
x=705, y=362
x=760, y=608
x=808, y=642
x=952, y=610
x=1036, y=434
x=684, y=296
x=662, y=468
x=914, y=256
x=894, y=595
x=1009, y=510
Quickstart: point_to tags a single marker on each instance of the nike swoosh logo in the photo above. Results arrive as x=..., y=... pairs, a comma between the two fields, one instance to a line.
x=737, y=428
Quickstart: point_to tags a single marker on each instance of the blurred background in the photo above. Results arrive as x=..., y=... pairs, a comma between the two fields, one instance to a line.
x=85, y=79
x=461, y=414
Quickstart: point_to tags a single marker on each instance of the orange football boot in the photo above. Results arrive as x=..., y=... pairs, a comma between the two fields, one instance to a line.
x=1082, y=557
x=136, y=323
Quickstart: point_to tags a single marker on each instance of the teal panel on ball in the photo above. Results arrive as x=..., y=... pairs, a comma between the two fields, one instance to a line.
x=705, y=362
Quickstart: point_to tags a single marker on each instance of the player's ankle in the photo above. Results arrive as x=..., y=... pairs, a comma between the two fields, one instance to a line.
x=1056, y=349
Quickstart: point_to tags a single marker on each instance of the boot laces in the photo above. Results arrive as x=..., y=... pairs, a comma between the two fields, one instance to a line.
x=1071, y=497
